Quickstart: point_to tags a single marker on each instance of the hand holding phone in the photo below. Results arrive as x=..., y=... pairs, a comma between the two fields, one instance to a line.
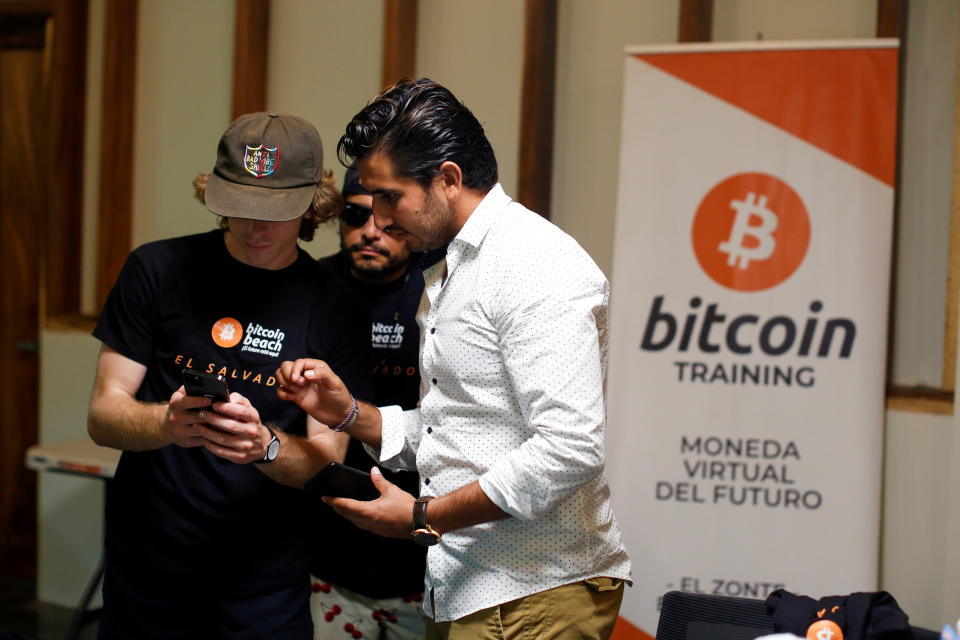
x=340, y=481
x=205, y=385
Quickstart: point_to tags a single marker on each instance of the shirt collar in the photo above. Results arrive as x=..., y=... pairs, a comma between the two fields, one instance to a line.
x=483, y=217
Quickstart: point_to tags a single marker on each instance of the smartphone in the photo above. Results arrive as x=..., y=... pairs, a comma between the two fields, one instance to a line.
x=206, y=385
x=340, y=481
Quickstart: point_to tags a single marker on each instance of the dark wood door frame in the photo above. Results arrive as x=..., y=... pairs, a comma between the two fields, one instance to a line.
x=44, y=120
x=66, y=106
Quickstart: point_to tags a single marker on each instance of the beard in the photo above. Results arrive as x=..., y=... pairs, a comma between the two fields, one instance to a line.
x=373, y=270
x=436, y=219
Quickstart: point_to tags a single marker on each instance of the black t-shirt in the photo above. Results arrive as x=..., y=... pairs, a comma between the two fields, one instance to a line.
x=363, y=562
x=174, y=513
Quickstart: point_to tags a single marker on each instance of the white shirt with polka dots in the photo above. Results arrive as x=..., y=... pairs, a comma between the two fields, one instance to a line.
x=513, y=369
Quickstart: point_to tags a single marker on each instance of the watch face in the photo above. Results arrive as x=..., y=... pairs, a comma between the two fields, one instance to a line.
x=427, y=538
x=273, y=449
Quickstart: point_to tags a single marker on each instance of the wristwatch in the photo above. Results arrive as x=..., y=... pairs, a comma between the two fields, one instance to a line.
x=273, y=448
x=422, y=532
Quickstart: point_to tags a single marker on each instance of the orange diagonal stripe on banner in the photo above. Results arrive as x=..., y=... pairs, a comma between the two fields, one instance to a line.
x=843, y=101
x=624, y=630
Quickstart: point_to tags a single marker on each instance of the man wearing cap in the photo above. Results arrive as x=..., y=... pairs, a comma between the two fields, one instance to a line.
x=203, y=538
x=373, y=583
x=508, y=436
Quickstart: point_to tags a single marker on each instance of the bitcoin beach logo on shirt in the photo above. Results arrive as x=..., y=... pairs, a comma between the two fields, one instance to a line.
x=227, y=332
x=751, y=232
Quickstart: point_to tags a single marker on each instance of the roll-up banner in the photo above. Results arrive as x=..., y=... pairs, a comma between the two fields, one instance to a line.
x=749, y=318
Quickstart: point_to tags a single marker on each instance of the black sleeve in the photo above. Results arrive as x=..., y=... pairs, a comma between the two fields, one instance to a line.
x=126, y=322
x=342, y=336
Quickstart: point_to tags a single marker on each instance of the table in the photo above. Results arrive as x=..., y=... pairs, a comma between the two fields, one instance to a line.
x=81, y=457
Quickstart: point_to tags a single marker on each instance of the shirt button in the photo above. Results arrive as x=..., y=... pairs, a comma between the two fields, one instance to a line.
x=429, y=429
x=434, y=381
x=433, y=329
x=426, y=481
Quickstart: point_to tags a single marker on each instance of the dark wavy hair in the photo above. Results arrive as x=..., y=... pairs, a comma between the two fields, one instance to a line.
x=419, y=125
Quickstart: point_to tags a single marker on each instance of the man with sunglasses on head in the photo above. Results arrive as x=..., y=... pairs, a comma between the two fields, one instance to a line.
x=371, y=583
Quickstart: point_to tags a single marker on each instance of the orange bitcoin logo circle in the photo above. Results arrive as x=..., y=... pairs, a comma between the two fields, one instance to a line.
x=824, y=630
x=226, y=332
x=751, y=232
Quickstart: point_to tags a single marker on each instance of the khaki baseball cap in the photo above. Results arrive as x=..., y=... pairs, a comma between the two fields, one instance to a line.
x=268, y=167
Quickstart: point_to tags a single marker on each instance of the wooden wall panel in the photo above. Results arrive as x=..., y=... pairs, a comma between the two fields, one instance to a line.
x=891, y=18
x=64, y=231
x=399, y=41
x=116, y=144
x=537, y=108
x=251, y=34
x=22, y=204
x=953, y=265
x=696, y=21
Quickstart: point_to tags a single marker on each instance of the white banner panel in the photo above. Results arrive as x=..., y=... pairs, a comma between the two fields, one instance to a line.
x=749, y=311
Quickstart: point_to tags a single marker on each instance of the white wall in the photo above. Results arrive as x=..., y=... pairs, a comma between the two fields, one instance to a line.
x=475, y=49
x=69, y=508
x=736, y=20
x=184, y=83
x=589, y=99
x=916, y=532
x=924, y=200
x=324, y=65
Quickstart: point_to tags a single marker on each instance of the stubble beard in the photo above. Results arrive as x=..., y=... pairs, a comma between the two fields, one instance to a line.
x=367, y=270
x=437, y=217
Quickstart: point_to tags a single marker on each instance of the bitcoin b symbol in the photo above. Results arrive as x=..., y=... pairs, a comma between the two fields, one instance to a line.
x=740, y=255
x=226, y=332
x=824, y=630
x=750, y=232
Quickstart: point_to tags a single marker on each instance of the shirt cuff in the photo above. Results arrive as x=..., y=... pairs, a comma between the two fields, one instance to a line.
x=395, y=451
x=499, y=498
x=392, y=433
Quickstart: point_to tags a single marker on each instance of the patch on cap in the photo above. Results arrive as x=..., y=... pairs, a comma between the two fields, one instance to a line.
x=261, y=161
x=248, y=180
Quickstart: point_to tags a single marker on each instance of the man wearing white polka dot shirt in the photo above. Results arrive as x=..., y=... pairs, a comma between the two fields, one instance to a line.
x=508, y=436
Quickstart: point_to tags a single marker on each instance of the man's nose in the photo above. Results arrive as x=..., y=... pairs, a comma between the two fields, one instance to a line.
x=381, y=217
x=370, y=229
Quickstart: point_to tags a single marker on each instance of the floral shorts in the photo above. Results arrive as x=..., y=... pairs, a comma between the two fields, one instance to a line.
x=340, y=614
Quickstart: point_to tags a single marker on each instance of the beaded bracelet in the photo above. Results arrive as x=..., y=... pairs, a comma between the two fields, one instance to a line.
x=351, y=417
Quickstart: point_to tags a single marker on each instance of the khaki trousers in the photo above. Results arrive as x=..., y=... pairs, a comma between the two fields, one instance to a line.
x=585, y=609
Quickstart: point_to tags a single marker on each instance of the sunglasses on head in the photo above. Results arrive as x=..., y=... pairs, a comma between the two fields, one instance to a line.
x=355, y=215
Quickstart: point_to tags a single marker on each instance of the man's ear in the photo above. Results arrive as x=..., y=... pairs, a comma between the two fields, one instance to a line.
x=451, y=180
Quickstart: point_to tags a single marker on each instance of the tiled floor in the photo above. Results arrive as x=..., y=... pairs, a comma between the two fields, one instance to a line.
x=21, y=616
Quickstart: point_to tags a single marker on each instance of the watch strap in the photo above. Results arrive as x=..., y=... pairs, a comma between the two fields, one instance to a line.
x=266, y=454
x=420, y=513
x=422, y=532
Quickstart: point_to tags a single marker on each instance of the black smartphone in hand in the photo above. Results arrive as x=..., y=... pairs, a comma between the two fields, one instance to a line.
x=340, y=481
x=206, y=385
